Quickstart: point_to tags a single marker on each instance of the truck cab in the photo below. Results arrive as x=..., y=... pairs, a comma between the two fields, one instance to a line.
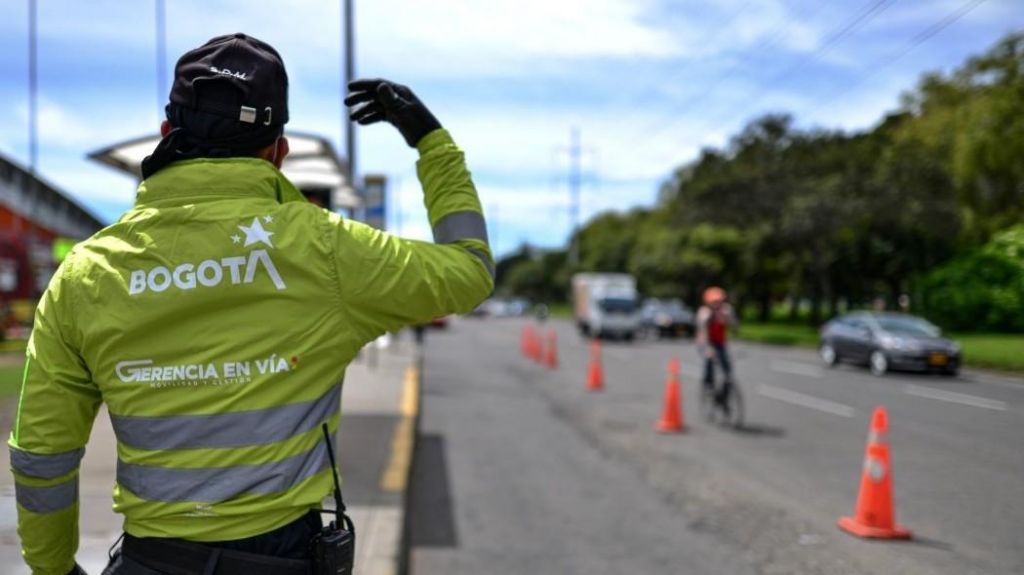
x=606, y=306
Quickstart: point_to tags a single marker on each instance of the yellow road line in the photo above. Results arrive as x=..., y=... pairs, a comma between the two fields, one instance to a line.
x=396, y=475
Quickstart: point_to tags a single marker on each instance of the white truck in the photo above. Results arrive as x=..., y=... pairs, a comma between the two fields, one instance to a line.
x=605, y=305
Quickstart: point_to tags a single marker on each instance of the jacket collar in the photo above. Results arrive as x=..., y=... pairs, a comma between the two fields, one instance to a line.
x=209, y=179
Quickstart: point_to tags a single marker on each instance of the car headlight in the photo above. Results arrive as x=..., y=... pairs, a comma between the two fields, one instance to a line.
x=899, y=344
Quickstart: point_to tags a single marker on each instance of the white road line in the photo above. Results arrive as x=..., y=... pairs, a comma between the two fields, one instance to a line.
x=804, y=400
x=953, y=397
x=796, y=368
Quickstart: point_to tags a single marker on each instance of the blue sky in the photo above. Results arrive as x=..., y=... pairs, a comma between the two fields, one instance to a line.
x=647, y=82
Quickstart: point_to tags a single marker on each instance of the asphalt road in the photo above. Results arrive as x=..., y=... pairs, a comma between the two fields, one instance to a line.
x=521, y=470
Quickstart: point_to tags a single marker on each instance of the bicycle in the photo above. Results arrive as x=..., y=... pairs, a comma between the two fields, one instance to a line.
x=722, y=404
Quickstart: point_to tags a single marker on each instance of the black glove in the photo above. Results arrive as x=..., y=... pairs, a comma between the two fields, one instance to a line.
x=77, y=571
x=384, y=100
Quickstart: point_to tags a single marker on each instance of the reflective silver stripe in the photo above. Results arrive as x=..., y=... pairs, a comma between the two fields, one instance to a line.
x=460, y=226
x=215, y=484
x=50, y=466
x=257, y=427
x=47, y=499
x=488, y=263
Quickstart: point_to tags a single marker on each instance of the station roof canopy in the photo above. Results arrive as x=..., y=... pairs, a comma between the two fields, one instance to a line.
x=312, y=164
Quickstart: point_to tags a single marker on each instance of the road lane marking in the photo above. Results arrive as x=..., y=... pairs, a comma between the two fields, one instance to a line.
x=804, y=400
x=954, y=397
x=796, y=368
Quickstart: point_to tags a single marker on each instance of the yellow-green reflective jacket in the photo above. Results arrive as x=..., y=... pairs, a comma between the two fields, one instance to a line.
x=215, y=320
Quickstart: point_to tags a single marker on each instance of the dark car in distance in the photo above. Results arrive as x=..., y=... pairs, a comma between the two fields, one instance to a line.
x=888, y=341
x=665, y=318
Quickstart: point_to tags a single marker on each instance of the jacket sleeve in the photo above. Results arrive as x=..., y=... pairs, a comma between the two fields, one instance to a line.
x=56, y=410
x=389, y=282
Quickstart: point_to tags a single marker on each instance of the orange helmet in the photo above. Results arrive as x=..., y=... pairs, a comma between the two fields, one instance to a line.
x=714, y=294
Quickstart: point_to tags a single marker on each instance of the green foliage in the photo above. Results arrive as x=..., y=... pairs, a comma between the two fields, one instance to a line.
x=836, y=219
x=973, y=121
x=543, y=277
x=982, y=289
x=608, y=240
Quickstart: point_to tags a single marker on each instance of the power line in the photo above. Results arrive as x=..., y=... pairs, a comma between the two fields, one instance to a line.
x=922, y=37
x=649, y=94
x=868, y=12
x=864, y=15
x=930, y=32
x=873, y=10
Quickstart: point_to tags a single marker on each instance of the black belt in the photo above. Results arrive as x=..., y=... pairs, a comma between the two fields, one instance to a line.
x=179, y=557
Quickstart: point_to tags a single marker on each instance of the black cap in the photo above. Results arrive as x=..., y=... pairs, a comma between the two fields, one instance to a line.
x=236, y=77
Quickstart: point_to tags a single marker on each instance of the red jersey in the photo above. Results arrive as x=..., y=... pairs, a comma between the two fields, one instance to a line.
x=716, y=330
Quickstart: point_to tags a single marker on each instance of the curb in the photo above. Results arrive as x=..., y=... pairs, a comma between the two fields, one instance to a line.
x=382, y=533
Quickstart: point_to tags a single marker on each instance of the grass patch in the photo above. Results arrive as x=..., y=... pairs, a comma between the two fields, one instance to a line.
x=10, y=380
x=997, y=351
x=13, y=345
x=778, y=334
x=562, y=310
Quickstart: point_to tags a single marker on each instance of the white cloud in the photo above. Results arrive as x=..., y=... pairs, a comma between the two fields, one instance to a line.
x=525, y=28
x=91, y=184
x=567, y=49
x=61, y=125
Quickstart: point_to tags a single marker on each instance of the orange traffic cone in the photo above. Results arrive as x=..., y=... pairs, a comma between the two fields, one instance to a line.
x=672, y=412
x=524, y=341
x=551, y=359
x=538, y=347
x=533, y=344
x=595, y=374
x=873, y=516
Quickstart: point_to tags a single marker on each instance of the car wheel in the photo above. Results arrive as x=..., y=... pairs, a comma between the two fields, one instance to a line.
x=828, y=354
x=951, y=372
x=878, y=362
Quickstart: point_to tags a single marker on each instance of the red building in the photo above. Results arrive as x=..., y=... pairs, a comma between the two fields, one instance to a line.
x=36, y=222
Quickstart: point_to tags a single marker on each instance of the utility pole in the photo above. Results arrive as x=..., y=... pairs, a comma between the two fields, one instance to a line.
x=33, y=114
x=33, y=89
x=161, y=58
x=492, y=229
x=574, y=196
x=348, y=31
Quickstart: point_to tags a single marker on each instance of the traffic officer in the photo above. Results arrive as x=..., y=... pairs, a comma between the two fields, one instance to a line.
x=215, y=319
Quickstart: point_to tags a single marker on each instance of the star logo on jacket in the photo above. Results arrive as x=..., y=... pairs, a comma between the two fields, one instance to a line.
x=254, y=234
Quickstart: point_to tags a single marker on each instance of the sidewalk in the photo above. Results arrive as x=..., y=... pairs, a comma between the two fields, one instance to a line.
x=379, y=414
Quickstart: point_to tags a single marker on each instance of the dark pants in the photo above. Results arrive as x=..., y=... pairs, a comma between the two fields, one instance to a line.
x=721, y=355
x=291, y=541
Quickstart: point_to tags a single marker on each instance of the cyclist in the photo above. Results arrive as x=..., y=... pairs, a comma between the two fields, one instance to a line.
x=714, y=319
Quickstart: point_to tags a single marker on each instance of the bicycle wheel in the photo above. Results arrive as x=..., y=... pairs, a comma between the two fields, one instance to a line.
x=733, y=415
x=708, y=405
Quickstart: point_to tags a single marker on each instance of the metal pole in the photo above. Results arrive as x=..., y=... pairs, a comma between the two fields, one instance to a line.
x=161, y=58
x=33, y=117
x=574, y=197
x=348, y=31
x=33, y=89
x=492, y=229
